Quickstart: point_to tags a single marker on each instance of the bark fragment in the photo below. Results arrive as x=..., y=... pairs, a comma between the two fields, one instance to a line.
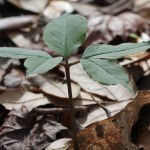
x=116, y=133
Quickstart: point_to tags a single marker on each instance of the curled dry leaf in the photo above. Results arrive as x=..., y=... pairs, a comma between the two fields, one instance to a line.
x=19, y=39
x=56, y=8
x=6, y=62
x=98, y=113
x=21, y=131
x=104, y=28
x=61, y=144
x=142, y=8
x=14, y=79
x=104, y=6
x=17, y=22
x=54, y=88
x=114, y=92
x=16, y=98
x=86, y=98
x=84, y=9
x=2, y=72
x=128, y=129
x=36, y=6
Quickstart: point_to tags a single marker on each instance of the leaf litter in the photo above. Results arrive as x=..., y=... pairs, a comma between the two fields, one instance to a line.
x=127, y=129
x=114, y=98
x=32, y=132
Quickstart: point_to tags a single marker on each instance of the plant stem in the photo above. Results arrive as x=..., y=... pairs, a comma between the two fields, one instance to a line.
x=73, y=63
x=73, y=121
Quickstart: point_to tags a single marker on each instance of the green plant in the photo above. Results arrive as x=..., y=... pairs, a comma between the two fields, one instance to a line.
x=64, y=35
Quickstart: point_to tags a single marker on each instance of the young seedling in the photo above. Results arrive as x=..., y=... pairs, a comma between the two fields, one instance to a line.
x=64, y=35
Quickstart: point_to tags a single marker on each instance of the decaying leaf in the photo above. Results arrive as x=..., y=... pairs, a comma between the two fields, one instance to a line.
x=54, y=88
x=21, y=131
x=86, y=98
x=16, y=22
x=2, y=72
x=98, y=113
x=126, y=130
x=142, y=8
x=61, y=144
x=19, y=39
x=36, y=6
x=15, y=98
x=84, y=9
x=56, y=8
x=14, y=79
x=6, y=62
x=104, y=28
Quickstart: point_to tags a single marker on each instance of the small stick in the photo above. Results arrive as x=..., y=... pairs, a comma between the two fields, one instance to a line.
x=108, y=113
x=44, y=111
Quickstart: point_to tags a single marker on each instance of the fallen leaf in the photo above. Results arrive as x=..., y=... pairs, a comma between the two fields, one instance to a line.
x=14, y=79
x=98, y=113
x=16, y=98
x=19, y=39
x=6, y=62
x=142, y=8
x=2, y=72
x=104, y=28
x=84, y=9
x=61, y=144
x=56, y=8
x=21, y=131
x=36, y=6
x=16, y=22
x=54, y=88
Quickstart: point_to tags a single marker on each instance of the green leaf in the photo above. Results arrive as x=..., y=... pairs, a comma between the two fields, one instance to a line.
x=21, y=53
x=65, y=34
x=114, y=52
x=37, y=61
x=41, y=65
x=107, y=72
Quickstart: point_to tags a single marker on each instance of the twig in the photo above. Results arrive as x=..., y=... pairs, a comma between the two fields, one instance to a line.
x=108, y=113
x=44, y=111
x=5, y=147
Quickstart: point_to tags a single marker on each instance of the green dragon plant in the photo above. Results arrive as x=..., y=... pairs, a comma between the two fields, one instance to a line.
x=64, y=35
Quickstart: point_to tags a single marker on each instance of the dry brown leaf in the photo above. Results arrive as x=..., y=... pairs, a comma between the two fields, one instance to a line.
x=56, y=8
x=36, y=6
x=19, y=39
x=85, y=9
x=142, y=8
x=2, y=72
x=122, y=131
x=87, y=99
x=104, y=28
x=98, y=113
x=16, y=98
x=22, y=131
x=14, y=78
x=141, y=5
x=61, y=144
x=54, y=88
x=6, y=62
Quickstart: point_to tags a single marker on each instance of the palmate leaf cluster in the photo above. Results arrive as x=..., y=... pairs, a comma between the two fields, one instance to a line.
x=64, y=35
